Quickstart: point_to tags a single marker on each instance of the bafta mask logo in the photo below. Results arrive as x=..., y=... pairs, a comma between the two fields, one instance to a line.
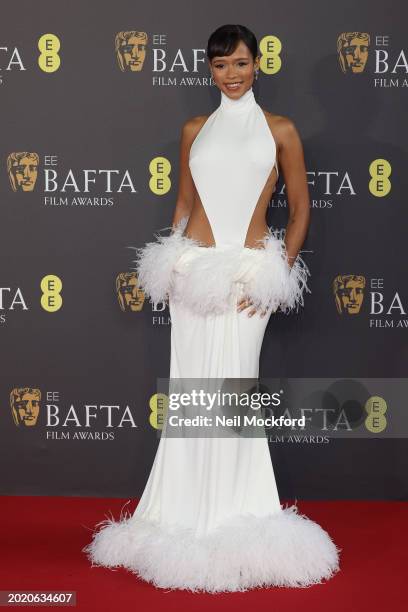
x=25, y=406
x=348, y=291
x=352, y=51
x=130, y=296
x=130, y=48
x=22, y=169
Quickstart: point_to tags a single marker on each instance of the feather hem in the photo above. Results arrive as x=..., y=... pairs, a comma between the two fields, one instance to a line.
x=281, y=549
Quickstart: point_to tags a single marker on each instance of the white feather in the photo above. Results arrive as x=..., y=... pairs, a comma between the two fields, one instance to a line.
x=281, y=549
x=276, y=284
x=156, y=260
x=205, y=278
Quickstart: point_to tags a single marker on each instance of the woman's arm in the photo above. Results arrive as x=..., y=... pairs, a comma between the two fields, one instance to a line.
x=292, y=163
x=185, y=197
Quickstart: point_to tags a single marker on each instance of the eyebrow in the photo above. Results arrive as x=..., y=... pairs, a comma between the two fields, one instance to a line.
x=238, y=58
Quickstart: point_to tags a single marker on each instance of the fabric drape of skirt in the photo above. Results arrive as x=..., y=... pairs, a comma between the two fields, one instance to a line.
x=210, y=517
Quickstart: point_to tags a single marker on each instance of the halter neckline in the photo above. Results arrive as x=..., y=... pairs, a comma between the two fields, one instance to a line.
x=243, y=103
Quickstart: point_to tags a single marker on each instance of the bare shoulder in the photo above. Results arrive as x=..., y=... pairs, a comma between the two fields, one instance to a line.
x=192, y=126
x=282, y=127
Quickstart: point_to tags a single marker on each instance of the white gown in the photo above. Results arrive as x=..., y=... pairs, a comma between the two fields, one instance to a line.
x=210, y=518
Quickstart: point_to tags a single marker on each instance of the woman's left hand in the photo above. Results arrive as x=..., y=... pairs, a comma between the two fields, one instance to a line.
x=247, y=303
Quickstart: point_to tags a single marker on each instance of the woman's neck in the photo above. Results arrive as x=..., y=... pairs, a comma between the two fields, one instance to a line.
x=233, y=105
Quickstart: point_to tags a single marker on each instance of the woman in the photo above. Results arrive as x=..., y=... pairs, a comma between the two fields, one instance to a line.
x=210, y=517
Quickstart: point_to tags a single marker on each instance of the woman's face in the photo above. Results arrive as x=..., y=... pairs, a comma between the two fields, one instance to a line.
x=234, y=74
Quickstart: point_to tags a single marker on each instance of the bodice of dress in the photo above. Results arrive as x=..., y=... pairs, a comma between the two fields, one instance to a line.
x=230, y=161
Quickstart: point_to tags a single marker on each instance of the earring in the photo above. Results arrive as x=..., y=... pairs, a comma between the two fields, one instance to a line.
x=256, y=74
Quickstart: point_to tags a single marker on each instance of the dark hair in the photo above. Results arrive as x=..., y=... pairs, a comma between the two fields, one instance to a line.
x=225, y=39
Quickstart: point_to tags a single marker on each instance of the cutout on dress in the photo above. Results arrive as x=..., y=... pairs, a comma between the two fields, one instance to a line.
x=261, y=205
x=262, y=202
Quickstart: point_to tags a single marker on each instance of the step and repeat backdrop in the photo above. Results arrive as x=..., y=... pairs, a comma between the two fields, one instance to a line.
x=93, y=99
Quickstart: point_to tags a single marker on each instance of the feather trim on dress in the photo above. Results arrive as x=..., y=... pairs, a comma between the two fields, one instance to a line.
x=205, y=278
x=281, y=549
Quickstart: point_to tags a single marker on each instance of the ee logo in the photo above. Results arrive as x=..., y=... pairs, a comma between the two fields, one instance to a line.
x=49, y=60
x=51, y=287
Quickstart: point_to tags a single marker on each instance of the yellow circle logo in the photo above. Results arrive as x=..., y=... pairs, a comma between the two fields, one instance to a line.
x=270, y=48
x=49, y=60
x=51, y=287
x=376, y=408
x=160, y=182
x=159, y=403
x=380, y=170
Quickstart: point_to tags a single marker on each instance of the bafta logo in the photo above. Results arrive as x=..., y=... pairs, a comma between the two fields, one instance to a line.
x=22, y=170
x=352, y=51
x=130, y=296
x=130, y=48
x=25, y=406
x=348, y=291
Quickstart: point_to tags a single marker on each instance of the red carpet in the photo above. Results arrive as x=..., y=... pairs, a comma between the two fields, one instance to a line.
x=42, y=537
